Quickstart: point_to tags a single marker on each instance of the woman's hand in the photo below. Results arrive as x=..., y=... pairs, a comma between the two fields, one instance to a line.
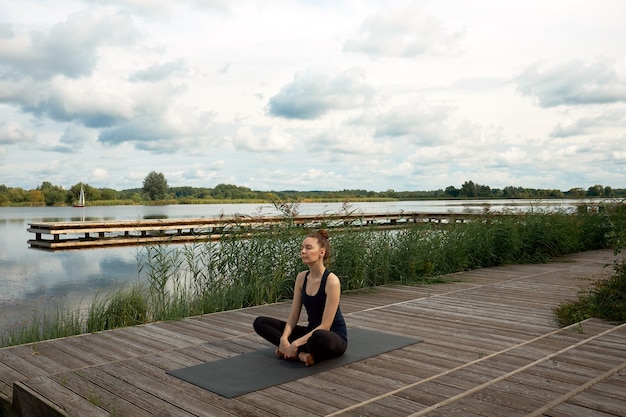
x=283, y=347
x=291, y=352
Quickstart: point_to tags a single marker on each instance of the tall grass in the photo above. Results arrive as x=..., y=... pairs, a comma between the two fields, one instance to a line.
x=245, y=269
x=606, y=299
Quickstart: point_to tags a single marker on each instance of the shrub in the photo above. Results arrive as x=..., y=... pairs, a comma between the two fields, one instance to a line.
x=605, y=300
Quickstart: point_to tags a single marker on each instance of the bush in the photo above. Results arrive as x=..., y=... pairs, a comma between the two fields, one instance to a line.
x=605, y=300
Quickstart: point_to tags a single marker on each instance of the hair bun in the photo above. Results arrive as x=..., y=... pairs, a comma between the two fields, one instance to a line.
x=323, y=232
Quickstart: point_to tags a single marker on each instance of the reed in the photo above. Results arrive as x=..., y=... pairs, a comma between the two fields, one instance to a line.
x=251, y=268
x=606, y=299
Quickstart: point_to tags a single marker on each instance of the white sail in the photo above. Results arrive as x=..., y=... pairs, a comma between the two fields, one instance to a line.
x=81, y=198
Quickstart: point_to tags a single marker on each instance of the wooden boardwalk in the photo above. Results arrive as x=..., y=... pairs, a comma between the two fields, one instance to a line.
x=93, y=234
x=490, y=348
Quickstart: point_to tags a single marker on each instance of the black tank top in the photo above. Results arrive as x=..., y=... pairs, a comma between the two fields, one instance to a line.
x=315, y=308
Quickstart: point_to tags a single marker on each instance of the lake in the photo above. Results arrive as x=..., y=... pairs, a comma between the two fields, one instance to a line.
x=33, y=280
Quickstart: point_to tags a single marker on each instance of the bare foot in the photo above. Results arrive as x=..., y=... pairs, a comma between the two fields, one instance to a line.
x=307, y=358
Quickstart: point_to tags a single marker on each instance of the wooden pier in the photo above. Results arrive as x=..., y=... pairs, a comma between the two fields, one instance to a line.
x=490, y=349
x=91, y=234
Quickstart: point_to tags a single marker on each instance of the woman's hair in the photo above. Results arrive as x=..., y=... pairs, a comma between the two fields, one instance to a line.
x=322, y=237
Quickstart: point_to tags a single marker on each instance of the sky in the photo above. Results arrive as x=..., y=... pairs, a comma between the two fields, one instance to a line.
x=313, y=95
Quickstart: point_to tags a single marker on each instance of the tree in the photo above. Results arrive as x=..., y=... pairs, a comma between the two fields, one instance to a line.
x=468, y=189
x=108, y=194
x=452, y=191
x=36, y=197
x=595, y=191
x=155, y=186
x=53, y=194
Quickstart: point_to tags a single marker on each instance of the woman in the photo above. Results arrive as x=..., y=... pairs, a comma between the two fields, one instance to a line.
x=318, y=290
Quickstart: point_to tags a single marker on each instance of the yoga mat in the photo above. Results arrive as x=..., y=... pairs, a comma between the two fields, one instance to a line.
x=261, y=369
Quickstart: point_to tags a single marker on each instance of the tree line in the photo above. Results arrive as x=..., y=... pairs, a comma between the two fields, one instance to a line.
x=155, y=190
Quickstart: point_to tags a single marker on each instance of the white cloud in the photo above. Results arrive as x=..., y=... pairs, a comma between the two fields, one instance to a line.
x=100, y=174
x=69, y=48
x=313, y=94
x=13, y=133
x=273, y=139
x=585, y=125
x=403, y=32
x=576, y=82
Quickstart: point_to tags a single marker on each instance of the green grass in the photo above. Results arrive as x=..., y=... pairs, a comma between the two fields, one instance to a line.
x=245, y=270
x=606, y=300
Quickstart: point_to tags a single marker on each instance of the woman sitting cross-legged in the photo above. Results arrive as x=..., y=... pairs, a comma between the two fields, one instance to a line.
x=318, y=290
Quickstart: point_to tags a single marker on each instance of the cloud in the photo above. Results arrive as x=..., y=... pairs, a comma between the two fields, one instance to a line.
x=12, y=133
x=160, y=72
x=403, y=33
x=589, y=124
x=312, y=94
x=76, y=136
x=421, y=123
x=99, y=174
x=173, y=130
x=90, y=102
x=273, y=139
x=163, y=9
x=69, y=48
x=398, y=129
x=573, y=83
x=348, y=140
x=513, y=156
x=51, y=72
x=6, y=30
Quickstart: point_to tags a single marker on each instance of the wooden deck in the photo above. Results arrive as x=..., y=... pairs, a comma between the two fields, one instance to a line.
x=91, y=234
x=490, y=348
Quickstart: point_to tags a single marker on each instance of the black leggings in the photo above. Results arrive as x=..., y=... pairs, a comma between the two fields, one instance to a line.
x=323, y=344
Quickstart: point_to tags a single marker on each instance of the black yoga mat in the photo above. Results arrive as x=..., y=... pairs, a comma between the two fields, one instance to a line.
x=261, y=369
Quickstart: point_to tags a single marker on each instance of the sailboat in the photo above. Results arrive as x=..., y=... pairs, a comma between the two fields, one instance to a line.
x=81, y=198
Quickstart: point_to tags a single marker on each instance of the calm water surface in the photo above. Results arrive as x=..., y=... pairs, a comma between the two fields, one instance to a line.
x=33, y=280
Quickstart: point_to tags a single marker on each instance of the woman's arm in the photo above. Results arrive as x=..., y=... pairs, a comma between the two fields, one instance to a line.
x=292, y=320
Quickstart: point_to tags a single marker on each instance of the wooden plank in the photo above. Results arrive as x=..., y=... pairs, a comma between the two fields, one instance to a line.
x=601, y=401
x=158, y=386
x=297, y=403
x=490, y=395
x=21, y=365
x=50, y=349
x=38, y=394
x=128, y=344
x=272, y=407
x=387, y=407
x=157, y=369
x=96, y=395
x=30, y=354
x=573, y=410
x=334, y=397
x=168, y=339
x=8, y=376
x=118, y=385
x=100, y=348
x=139, y=335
